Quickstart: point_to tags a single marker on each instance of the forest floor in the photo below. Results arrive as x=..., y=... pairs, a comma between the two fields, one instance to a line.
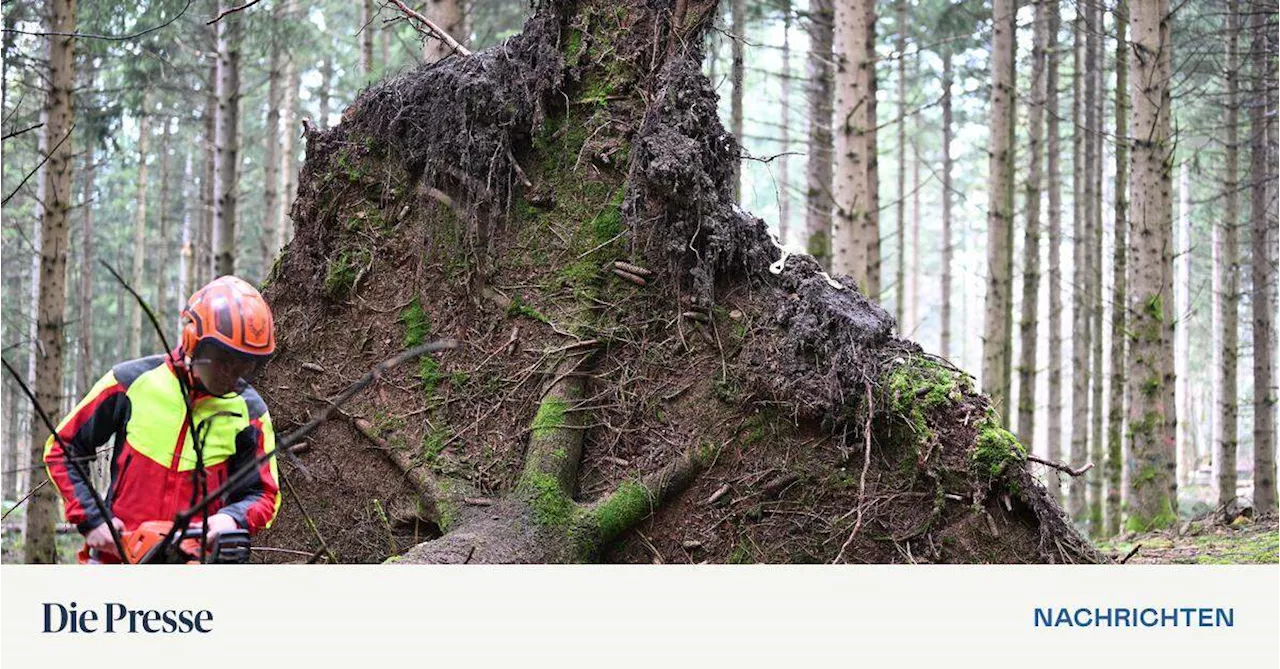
x=68, y=541
x=1244, y=541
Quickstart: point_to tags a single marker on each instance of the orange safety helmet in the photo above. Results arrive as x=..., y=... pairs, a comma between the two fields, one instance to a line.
x=231, y=312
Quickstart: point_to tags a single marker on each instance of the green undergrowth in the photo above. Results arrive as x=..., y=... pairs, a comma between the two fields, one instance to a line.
x=417, y=329
x=343, y=272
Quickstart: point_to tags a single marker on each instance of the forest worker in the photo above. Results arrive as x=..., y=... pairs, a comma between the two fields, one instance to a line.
x=227, y=335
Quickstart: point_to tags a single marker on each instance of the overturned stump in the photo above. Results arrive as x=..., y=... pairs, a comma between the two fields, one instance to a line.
x=644, y=376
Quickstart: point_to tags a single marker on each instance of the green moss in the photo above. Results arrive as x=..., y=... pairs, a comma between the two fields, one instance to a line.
x=573, y=49
x=433, y=443
x=628, y=505
x=342, y=273
x=608, y=223
x=417, y=324
x=550, y=417
x=994, y=448
x=918, y=387
x=1167, y=516
x=741, y=554
x=519, y=308
x=429, y=373
x=551, y=506
x=819, y=246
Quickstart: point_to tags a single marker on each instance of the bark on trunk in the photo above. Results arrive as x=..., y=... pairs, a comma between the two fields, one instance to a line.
x=1053, y=175
x=855, y=234
x=944, y=346
x=1096, y=306
x=1263, y=240
x=818, y=184
x=900, y=207
x=738, y=70
x=226, y=143
x=1031, y=245
x=208, y=176
x=84, y=371
x=1153, y=484
x=186, y=257
x=273, y=134
x=997, y=343
x=1077, y=501
x=784, y=162
x=42, y=509
x=451, y=16
x=139, y=232
x=288, y=145
x=326, y=76
x=1181, y=344
x=366, y=39
x=1229, y=282
x=1119, y=320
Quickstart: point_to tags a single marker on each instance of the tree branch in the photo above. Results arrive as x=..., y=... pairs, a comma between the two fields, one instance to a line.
x=432, y=29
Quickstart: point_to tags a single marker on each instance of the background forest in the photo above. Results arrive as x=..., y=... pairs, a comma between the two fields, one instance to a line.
x=967, y=163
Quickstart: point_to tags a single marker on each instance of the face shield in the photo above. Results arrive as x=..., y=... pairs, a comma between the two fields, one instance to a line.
x=222, y=371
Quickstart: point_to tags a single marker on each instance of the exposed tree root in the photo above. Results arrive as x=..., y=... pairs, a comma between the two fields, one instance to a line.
x=580, y=237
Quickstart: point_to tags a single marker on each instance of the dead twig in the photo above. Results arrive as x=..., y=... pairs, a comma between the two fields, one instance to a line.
x=862, y=481
x=231, y=10
x=1062, y=467
x=432, y=29
x=1132, y=552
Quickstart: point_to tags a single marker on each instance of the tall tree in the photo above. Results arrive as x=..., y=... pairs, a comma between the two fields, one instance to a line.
x=784, y=163
x=818, y=164
x=948, y=248
x=1077, y=502
x=856, y=233
x=85, y=368
x=288, y=141
x=366, y=39
x=1186, y=457
x=1096, y=306
x=738, y=11
x=1119, y=268
x=226, y=146
x=1031, y=245
x=1263, y=241
x=900, y=205
x=139, y=230
x=997, y=345
x=1228, y=270
x=271, y=153
x=1153, y=485
x=1053, y=178
x=55, y=238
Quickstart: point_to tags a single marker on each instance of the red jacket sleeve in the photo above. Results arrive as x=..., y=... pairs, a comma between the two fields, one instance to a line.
x=90, y=425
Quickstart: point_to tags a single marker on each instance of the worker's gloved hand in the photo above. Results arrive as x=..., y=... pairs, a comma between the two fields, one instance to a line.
x=100, y=536
x=219, y=523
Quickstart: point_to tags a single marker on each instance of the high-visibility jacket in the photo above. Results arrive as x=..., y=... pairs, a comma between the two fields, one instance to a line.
x=153, y=461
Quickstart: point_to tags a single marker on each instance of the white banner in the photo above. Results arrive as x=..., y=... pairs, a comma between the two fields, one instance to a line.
x=708, y=616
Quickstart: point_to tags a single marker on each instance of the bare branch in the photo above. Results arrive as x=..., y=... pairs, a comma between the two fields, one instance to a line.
x=432, y=29
x=232, y=10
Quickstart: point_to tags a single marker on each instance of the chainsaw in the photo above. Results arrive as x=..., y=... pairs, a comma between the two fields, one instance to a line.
x=149, y=544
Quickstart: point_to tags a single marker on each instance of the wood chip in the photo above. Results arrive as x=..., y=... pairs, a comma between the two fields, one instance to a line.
x=477, y=501
x=718, y=494
x=299, y=448
x=313, y=367
x=691, y=544
x=697, y=316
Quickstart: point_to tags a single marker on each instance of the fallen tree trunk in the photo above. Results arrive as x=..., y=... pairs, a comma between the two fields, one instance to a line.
x=645, y=375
